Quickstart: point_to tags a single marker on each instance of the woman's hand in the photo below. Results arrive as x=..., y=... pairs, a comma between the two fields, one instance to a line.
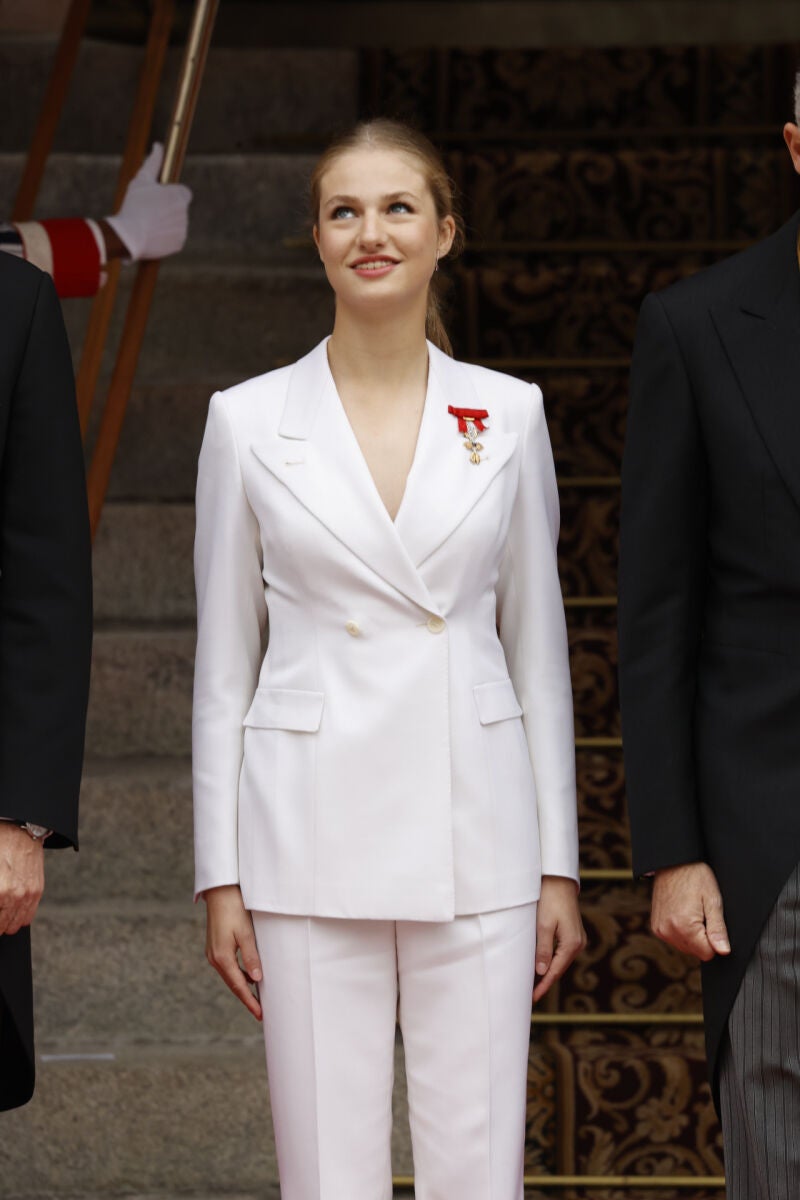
x=229, y=929
x=560, y=934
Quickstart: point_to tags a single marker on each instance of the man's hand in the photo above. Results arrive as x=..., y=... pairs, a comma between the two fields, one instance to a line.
x=687, y=911
x=21, y=877
x=229, y=932
x=559, y=931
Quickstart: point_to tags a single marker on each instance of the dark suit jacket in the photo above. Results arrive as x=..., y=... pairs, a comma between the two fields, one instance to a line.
x=709, y=617
x=45, y=610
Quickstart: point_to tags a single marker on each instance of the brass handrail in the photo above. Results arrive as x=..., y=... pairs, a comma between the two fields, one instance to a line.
x=202, y=26
x=50, y=113
x=544, y=1182
x=161, y=23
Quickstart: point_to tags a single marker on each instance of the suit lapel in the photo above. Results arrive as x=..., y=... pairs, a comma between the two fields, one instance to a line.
x=760, y=330
x=443, y=486
x=317, y=457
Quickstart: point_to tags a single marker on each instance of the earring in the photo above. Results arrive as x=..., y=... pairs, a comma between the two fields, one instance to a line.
x=436, y=264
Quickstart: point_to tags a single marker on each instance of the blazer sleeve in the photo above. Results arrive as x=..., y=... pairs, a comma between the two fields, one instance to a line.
x=532, y=630
x=231, y=628
x=45, y=585
x=662, y=573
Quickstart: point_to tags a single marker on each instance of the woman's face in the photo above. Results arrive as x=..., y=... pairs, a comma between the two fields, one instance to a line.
x=378, y=233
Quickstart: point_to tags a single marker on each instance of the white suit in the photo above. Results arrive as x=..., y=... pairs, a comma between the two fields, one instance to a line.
x=401, y=756
x=404, y=750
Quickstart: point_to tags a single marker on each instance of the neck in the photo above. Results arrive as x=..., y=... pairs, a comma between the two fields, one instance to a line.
x=382, y=354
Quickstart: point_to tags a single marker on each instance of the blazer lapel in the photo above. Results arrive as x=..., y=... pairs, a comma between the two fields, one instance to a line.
x=443, y=485
x=760, y=330
x=317, y=457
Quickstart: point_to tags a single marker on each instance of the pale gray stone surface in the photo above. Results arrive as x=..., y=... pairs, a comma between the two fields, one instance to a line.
x=113, y=974
x=176, y=1103
x=244, y=206
x=213, y=324
x=155, y=1118
x=152, y=1119
x=141, y=692
x=251, y=98
x=143, y=563
x=135, y=836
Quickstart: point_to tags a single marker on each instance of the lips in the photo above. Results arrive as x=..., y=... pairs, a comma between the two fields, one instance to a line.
x=374, y=264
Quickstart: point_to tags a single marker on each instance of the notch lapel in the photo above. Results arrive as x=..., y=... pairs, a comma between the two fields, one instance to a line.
x=760, y=331
x=317, y=457
x=443, y=486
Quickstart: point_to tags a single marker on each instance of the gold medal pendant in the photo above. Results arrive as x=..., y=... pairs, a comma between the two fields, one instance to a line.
x=470, y=423
x=472, y=444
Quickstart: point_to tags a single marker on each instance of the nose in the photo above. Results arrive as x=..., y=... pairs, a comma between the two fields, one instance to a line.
x=372, y=233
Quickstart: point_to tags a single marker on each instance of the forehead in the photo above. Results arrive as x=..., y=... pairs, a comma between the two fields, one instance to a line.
x=371, y=172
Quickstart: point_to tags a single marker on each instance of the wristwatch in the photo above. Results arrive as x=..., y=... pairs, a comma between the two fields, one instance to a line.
x=37, y=832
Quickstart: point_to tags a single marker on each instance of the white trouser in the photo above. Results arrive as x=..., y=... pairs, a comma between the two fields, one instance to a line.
x=330, y=995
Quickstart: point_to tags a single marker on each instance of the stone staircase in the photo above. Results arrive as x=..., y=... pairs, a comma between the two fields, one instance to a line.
x=151, y=1078
x=591, y=177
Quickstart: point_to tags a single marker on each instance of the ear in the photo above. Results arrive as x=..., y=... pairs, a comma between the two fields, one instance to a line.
x=791, y=135
x=447, y=232
x=315, y=235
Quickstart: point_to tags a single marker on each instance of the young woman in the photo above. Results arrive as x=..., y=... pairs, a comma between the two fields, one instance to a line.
x=385, y=796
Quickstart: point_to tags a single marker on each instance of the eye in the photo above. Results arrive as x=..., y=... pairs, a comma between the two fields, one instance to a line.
x=343, y=211
x=400, y=206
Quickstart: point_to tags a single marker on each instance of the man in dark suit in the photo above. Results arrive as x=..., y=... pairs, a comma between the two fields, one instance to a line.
x=709, y=628
x=45, y=632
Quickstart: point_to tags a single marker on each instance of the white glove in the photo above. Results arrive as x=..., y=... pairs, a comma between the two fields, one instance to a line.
x=154, y=217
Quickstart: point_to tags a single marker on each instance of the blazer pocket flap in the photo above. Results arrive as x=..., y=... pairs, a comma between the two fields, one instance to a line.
x=496, y=701
x=285, y=708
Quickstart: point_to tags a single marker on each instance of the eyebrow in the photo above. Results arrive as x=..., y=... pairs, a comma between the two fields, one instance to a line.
x=388, y=199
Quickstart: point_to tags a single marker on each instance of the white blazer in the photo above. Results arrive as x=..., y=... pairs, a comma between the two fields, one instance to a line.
x=401, y=747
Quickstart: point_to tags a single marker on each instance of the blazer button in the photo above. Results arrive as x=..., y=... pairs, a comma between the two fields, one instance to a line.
x=435, y=624
x=353, y=628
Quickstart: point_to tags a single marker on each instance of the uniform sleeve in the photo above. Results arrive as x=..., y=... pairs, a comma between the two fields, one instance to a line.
x=533, y=633
x=45, y=585
x=231, y=627
x=662, y=574
x=70, y=249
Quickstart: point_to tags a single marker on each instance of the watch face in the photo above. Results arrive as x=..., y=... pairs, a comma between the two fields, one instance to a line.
x=37, y=832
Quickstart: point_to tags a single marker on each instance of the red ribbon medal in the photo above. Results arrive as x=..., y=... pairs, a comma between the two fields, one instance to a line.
x=470, y=421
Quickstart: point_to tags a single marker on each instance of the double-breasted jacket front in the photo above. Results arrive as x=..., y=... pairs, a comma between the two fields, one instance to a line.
x=383, y=717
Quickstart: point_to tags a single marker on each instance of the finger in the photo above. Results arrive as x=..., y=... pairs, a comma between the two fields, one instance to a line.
x=716, y=930
x=251, y=963
x=545, y=945
x=546, y=981
x=236, y=980
x=152, y=164
x=688, y=938
x=564, y=955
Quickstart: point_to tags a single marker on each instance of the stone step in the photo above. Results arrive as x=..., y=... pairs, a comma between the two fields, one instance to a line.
x=251, y=98
x=135, y=836
x=157, y=454
x=243, y=205
x=140, y=700
x=214, y=324
x=143, y=563
x=152, y=1118
x=119, y=973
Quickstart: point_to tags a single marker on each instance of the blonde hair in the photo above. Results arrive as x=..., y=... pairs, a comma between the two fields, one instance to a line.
x=394, y=135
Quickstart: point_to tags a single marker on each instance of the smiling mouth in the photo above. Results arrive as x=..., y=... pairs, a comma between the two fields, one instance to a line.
x=374, y=264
